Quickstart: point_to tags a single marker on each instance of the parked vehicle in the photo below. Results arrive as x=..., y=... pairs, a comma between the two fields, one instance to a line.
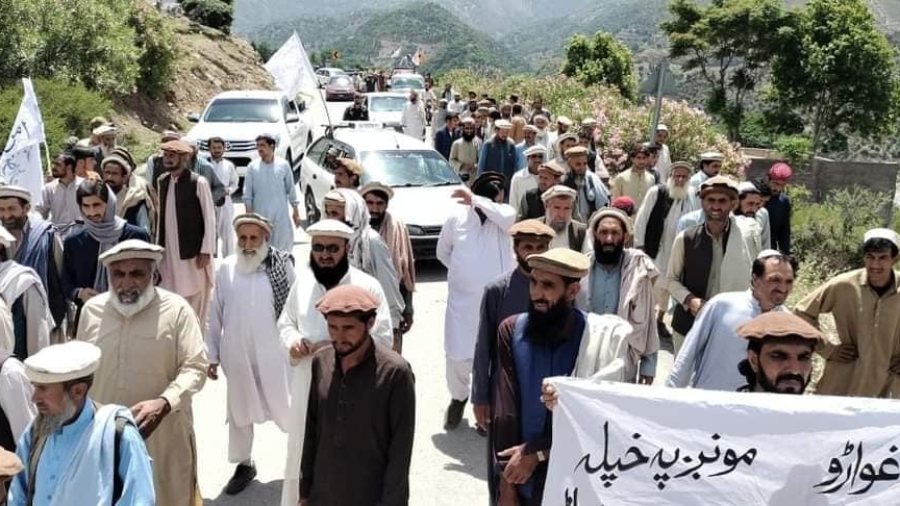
x=326, y=73
x=238, y=117
x=422, y=180
x=340, y=87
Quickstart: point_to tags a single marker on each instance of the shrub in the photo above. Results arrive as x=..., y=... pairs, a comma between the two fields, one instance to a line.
x=212, y=13
x=66, y=108
x=156, y=42
x=797, y=149
x=827, y=236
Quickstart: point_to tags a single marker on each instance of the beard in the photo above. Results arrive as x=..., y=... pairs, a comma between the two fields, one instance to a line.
x=558, y=225
x=523, y=264
x=676, y=192
x=329, y=277
x=48, y=424
x=131, y=302
x=115, y=188
x=249, y=260
x=15, y=223
x=375, y=220
x=772, y=387
x=608, y=254
x=468, y=136
x=546, y=328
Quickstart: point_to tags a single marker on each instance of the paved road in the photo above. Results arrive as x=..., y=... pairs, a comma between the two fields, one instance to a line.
x=447, y=468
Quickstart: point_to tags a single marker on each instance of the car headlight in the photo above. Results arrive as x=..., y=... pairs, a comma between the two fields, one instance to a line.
x=414, y=230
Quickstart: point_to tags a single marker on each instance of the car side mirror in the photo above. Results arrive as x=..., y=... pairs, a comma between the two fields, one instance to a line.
x=301, y=106
x=193, y=117
x=291, y=117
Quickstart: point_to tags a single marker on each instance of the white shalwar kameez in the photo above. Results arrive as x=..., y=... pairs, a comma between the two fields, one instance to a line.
x=228, y=176
x=474, y=253
x=670, y=230
x=242, y=336
x=301, y=320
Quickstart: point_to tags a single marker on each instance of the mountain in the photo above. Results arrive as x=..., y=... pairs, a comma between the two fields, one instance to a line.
x=367, y=38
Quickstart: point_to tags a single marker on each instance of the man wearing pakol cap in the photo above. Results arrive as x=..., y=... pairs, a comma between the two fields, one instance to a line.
x=186, y=228
x=620, y=282
x=269, y=191
x=552, y=338
x=394, y=233
x=529, y=133
x=10, y=466
x=413, y=117
x=710, y=166
x=464, y=151
x=83, y=276
x=16, y=408
x=503, y=297
x=105, y=137
x=745, y=216
x=531, y=205
x=779, y=206
x=542, y=122
x=592, y=194
x=33, y=243
x=134, y=201
x=865, y=304
x=25, y=302
x=664, y=163
x=201, y=166
x=711, y=351
x=557, y=149
x=153, y=361
x=362, y=407
x=751, y=205
x=155, y=164
x=58, y=196
x=499, y=153
x=526, y=178
x=368, y=252
x=586, y=141
x=655, y=227
x=636, y=181
x=475, y=247
x=560, y=145
x=226, y=174
x=779, y=353
x=77, y=452
x=446, y=135
x=242, y=336
x=347, y=173
x=439, y=118
x=559, y=201
x=304, y=330
x=707, y=259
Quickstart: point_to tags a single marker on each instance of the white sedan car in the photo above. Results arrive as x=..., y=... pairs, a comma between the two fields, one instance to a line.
x=386, y=107
x=422, y=180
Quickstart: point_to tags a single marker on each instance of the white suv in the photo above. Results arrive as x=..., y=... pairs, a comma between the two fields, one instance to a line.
x=422, y=180
x=238, y=117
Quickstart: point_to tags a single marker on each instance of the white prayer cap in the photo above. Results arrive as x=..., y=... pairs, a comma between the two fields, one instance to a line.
x=12, y=191
x=882, y=233
x=532, y=129
x=104, y=130
x=747, y=187
x=588, y=122
x=712, y=156
x=612, y=212
x=502, y=124
x=468, y=120
x=377, y=187
x=768, y=253
x=537, y=149
x=558, y=191
x=6, y=239
x=132, y=249
x=662, y=128
x=330, y=228
x=62, y=362
x=563, y=137
x=563, y=120
x=335, y=197
x=252, y=219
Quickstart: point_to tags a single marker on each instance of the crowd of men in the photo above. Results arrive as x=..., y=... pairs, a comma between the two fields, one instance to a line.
x=121, y=293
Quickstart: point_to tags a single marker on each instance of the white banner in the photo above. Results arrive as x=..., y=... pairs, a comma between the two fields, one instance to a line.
x=619, y=444
x=20, y=163
x=291, y=68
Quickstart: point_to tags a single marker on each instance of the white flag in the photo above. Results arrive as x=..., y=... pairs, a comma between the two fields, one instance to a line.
x=20, y=163
x=291, y=68
x=396, y=54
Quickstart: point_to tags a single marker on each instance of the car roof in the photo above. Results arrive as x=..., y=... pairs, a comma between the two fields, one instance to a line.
x=250, y=94
x=413, y=76
x=375, y=139
x=387, y=94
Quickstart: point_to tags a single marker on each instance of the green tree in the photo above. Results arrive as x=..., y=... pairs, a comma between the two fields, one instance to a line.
x=263, y=49
x=838, y=72
x=730, y=43
x=601, y=60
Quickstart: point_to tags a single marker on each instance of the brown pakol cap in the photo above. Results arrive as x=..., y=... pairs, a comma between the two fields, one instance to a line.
x=780, y=324
x=347, y=299
x=177, y=146
x=553, y=168
x=562, y=261
x=532, y=227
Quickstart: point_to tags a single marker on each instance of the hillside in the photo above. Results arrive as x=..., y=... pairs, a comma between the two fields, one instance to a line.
x=369, y=38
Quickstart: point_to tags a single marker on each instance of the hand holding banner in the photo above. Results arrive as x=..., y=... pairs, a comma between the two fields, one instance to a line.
x=617, y=444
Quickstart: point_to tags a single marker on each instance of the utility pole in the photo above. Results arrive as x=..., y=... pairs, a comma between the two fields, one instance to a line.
x=660, y=81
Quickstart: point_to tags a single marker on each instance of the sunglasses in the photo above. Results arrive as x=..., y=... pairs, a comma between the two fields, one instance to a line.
x=331, y=248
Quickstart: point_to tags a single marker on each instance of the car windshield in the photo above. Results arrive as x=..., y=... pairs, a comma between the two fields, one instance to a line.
x=387, y=104
x=243, y=110
x=341, y=80
x=407, y=168
x=408, y=82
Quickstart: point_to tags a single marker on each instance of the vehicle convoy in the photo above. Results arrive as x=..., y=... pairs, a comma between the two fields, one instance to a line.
x=422, y=180
x=326, y=73
x=238, y=117
x=404, y=83
x=386, y=108
x=340, y=87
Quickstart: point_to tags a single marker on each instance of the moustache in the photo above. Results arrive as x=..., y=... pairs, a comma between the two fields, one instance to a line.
x=790, y=377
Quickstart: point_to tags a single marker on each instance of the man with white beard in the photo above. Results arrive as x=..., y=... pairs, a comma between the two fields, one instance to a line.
x=304, y=330
x=558, y=203
x=242, y=335
x=153, y=361
x=656, y=225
